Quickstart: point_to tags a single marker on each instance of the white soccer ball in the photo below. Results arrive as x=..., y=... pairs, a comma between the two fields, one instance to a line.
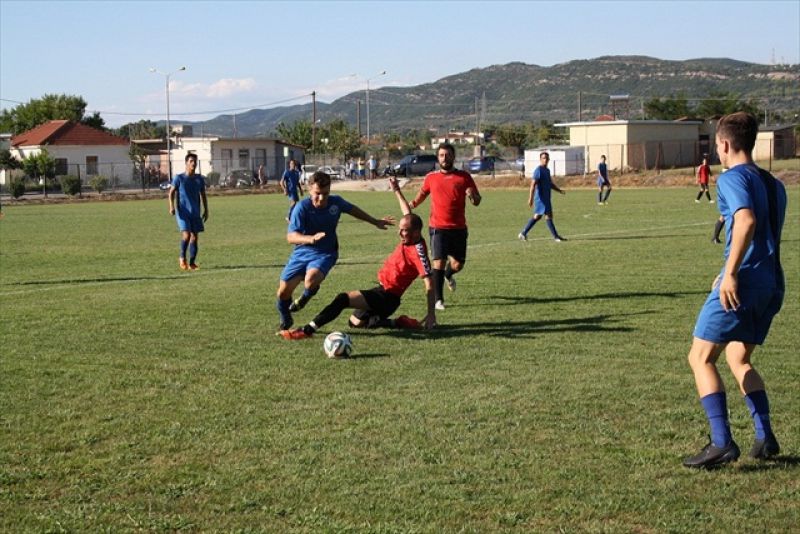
x=337, y=345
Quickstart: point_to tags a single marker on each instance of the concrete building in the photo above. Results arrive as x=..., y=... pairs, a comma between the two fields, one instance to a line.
x=642, y=144
x=775, y=142
x=564, y=160
x=224, y=155
x=78, y=149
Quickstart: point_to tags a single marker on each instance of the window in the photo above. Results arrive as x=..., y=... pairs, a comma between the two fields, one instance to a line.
x=227, y=154
x=261, y=157
x=244, y=158
x=61, y=166
x=91, y=165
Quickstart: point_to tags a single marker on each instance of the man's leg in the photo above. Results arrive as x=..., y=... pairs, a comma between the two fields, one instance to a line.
x=438, y=281
x=314, y=278
x=608, y=193
x=755, y=396
x=702, y=359
x=185, y=237
x=284, y=294
x=528, y=227
x=193, y=247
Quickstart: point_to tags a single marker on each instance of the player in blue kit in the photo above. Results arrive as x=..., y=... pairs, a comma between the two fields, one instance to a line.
x=312, y=231
x=602, y=181
x=745, y=296
x=190, y=188
x=539, y=199
x=290, y=183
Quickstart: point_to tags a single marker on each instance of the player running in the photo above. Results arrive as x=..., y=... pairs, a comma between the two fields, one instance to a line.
x=290, y=183
x=449, y=188
x=312, y=231
x=539, y=199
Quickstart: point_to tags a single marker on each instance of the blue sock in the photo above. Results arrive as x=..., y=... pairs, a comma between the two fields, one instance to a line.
x=716, y=408
x=600, y=196
x=308, y=293
x=552, y=228
x=184, y=244
x=758, y=403
x=192, y=251
x=528, y=226
x=283, y=311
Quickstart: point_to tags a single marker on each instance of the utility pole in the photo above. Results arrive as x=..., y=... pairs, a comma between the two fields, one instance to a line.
x=358, y=117
x=313, y=120
x=580, y=106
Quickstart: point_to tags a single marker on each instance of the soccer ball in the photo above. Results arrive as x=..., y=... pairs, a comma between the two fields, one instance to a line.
x=337, y=345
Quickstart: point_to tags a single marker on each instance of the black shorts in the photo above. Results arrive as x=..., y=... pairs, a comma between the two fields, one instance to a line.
x=446, y=243
x=381, y=304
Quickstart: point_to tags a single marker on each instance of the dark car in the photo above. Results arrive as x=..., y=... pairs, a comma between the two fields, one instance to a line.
x=415, y=165
x=487, y=164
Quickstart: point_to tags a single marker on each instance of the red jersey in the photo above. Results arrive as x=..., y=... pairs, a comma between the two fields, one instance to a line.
x=403, y=266
x=703, y=171
x=448, y=198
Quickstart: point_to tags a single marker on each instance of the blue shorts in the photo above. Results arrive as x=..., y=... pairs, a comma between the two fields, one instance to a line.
x=192, y=224
x=306, y=258
x=748, y=324
x=542, y=208
x=603, y=182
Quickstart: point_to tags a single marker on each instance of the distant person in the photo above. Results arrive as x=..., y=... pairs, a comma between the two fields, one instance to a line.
x=539, y=199
x=372, y=164
x=351, y=169
x=361, y=171
x=602, y=181
x=190, y=190
x=290, y=183
x=262, y=175
x=745, y=296
x=312, y=231
x=703, y=175
x=718, y=226
x=373, y=307
x=449, y=188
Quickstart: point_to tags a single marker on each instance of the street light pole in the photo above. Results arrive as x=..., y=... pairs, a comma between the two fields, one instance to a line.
x=166, y=89
x=368, y=80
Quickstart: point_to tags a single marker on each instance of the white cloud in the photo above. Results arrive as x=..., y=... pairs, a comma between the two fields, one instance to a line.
x=224, y=88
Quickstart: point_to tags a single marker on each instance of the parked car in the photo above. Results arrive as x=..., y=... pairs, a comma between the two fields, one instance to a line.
x=164, y=185
x=487, y=164
x=415, y=165
x=336, y=172
x=237, y=178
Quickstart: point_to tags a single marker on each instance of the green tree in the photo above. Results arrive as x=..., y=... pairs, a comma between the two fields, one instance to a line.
x=668, y=108
x=139, y=159
x=7, y=161
x=298, y=133
x=513, y=135
x=41, y=166
x=50, y=107
x=143, y=129
x=342, y=139
x=722, y=103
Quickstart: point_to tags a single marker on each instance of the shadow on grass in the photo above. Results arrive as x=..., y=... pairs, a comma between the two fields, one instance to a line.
x=358, y=356
x=96, y=280
x=778, y=462
x=506, y=299
x=516, y=329
x=626, y=237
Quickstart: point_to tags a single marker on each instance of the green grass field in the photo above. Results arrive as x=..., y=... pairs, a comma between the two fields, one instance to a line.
x=555, y=396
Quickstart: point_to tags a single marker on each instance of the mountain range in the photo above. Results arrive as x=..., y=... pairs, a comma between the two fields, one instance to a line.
x=519, y=92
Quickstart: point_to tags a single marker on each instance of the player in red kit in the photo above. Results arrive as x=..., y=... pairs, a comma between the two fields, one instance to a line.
x=448, y=188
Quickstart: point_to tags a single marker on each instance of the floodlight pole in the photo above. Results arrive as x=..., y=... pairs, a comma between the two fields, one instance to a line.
x=166, y=90
x=383, y=72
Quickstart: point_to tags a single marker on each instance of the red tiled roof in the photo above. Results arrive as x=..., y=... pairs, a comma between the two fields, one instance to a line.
x=66, y=133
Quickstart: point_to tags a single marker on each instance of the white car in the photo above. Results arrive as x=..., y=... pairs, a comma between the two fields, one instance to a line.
x=336, y=172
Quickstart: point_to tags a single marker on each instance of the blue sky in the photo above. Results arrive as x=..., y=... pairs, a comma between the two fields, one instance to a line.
x=257, y=54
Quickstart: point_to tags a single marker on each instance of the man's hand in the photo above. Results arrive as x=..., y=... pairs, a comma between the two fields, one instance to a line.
x=172, y=210
x=385, y=222
x=316, y=238
x=728, y=292
x=393, y=183
x=430, y=321
x=205, y=216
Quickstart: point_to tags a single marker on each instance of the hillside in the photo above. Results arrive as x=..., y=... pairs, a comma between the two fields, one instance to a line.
x=520, y=92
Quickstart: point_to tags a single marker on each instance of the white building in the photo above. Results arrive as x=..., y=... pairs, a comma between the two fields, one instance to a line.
x=564, y=160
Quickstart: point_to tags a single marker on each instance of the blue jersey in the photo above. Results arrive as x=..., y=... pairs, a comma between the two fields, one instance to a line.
x=291, y=178
x=602, y=174
x=541, y=198
x=739, y=188
x=309, y=220
x=189, y=189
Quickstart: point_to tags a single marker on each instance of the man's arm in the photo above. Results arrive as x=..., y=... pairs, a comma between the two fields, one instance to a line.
x=205, y=204
x=171, y=197
x=744, y=226
x=474, y=196
x=360, y=214
x=430, y=318
x=531, y=193
x=554, y=186
x=297, y=238
x=419, y=199
x=404, y=207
